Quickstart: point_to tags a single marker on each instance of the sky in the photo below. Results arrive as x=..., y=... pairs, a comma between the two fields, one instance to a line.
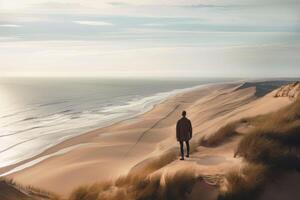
x=151, y=38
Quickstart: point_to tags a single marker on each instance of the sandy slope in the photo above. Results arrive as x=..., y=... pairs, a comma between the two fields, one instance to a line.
x=212, y=163
x=112, y=151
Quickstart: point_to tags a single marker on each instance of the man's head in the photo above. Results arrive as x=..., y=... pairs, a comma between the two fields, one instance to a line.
x=183, y=113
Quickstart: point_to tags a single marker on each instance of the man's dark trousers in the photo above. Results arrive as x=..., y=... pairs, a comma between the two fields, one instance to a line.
x=187, y=148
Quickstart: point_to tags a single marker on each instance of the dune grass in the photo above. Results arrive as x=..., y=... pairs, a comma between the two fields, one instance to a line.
x=275, y=142
x=132, y=187
x=141, y=184
x=10, y=190
x=175, y=187
x=224, y=133
x=245, y=184
x=271, y=148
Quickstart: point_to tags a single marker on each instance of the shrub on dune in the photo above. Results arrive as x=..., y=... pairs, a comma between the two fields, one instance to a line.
x=245, y=184
x=179, y=185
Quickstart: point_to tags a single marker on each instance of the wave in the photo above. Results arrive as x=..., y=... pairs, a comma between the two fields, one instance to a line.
x=53, y=103
x=40, y=159
x=29, y=118
x=22, y=131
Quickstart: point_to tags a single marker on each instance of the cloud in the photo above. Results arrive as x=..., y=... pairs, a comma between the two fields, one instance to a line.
x=210, y=6
x=10, y=25
x=6, y=39
x=112, y=58
x=154, y=24
x=108, y=28
x=94, y=23
x=119, y=4
x=58, y=5
x=173, y=4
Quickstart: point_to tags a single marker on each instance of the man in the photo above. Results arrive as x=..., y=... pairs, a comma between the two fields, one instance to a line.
x=184, y=133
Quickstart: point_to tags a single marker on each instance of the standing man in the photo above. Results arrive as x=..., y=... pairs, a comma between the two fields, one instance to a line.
x=184, y=133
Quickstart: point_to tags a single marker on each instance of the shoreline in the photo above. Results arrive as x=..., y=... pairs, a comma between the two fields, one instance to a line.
x=106, y=147
x=147, y=102
x=4, y=171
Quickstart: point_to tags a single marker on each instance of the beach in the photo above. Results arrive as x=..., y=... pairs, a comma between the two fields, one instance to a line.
x=113, y=151
x=149, y=100
x=36, y=114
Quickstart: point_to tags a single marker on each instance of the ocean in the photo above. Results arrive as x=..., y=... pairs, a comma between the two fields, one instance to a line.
x=37, y=113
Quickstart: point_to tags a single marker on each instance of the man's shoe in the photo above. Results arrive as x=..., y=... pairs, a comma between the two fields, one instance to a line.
x=181, y=158
x=187, y=156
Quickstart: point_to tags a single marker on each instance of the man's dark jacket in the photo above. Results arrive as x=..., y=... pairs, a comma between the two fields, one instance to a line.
x=184, y=129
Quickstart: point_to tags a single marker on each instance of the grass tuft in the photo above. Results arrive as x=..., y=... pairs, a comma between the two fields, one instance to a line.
x=245, y=184
x=219, y=137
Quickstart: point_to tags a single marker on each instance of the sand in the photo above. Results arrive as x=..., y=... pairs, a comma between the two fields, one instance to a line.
x=109, y=152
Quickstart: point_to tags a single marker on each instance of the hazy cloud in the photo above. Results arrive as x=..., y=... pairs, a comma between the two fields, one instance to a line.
x=58, y=5
x=94, y=23
x=119, y=4
x=154, y=24
x=10, y=25
x=210, y=6
x=193, y=37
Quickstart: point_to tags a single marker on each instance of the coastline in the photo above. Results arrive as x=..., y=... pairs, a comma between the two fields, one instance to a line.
x=146, y=119
x=139, y=138
x=161, y=97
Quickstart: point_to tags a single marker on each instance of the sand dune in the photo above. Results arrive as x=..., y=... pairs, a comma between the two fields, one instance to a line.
x=229, y=107
x=112, y=151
